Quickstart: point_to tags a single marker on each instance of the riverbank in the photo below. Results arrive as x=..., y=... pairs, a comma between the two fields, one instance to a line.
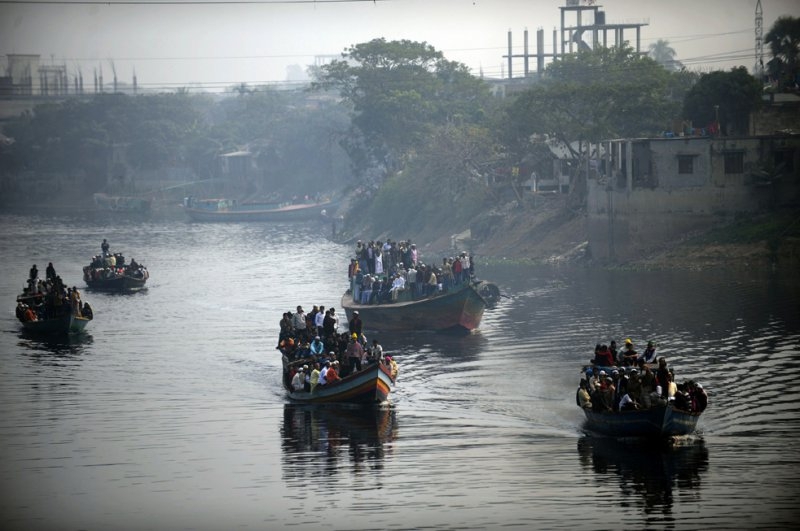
x=551, y=232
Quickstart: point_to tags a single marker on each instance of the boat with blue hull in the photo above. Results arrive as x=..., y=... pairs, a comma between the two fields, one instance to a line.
x=659, y=421
x=619, y=403
x=40, y=315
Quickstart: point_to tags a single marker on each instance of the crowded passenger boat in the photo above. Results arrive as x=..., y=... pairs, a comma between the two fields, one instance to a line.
x=322, y=363
x=395, y=290
x=626, y=393
x=109, y=272
x=47, y=305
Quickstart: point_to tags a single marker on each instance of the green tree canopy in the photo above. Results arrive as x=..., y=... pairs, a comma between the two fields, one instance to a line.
x=595, y=95
x=783, y=40
x=664, y=54
x=732, y=95
x=399, y=91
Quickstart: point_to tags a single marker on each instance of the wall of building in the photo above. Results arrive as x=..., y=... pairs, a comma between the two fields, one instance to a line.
x=626, y=222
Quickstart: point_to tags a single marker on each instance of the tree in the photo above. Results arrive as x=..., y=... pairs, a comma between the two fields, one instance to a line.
x=784, y=44
x=398, y=91
x=664, y=54
x=730, y=96
x=448, y=170
x=594, y=95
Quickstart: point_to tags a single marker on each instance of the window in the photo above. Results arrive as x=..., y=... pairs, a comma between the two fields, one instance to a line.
x=686, y=164
x=734, y=162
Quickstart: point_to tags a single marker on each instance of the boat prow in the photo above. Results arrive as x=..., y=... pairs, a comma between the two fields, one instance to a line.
x=370, y=385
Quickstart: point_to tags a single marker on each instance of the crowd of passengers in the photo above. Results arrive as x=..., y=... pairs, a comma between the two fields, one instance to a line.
x=316, y=353
x=46, y=298
x=383, y=272
x=108, y=265
x=623, y=380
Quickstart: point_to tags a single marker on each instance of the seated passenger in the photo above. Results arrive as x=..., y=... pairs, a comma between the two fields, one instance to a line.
x=297, y=380
x=582, y=398
x=332, y=376
x=603, y=357
x=629, y=354
x=398, y=285
x=649, y=354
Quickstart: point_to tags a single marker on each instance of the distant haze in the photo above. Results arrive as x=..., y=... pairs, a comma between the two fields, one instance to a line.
x=219, y=44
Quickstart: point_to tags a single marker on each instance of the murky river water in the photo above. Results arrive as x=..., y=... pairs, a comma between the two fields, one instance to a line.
x=168, y=413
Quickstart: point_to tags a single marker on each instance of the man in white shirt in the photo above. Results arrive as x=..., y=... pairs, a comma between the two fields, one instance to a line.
x=298, y=381
x=398, y=285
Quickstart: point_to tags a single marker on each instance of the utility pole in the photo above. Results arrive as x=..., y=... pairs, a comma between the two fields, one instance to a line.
x=758, y=70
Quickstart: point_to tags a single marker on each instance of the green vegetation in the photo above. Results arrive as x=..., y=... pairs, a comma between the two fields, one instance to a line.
x=422, y=144
x=753, y=229
x=728, y=97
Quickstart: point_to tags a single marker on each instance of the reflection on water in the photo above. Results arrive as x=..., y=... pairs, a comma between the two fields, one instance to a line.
x=42, y=347
x=324, y=439
x=649, y=474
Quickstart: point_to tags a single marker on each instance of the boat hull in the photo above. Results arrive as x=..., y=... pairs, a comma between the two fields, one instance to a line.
x=369, y=386
x=299, y=212
x=63, y=325
x=660, y=421
x=119, y=284
x=455, y=310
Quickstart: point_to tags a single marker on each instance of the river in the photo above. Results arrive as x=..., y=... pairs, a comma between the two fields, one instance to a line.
x=168, y=412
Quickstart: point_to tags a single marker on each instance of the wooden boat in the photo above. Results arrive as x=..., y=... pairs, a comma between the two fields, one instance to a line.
x=655, y=422
x=63, y=323
x=126, y=281
x=370, y=385
x=661, y=420
x=459, y=309
x=233, y=210
x=122, y=279
x=115, y=203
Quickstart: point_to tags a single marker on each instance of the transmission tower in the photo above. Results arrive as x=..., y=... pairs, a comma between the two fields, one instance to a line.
x=758, y=70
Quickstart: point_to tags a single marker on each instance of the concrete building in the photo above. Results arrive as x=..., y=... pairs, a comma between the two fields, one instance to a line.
x=647, y=191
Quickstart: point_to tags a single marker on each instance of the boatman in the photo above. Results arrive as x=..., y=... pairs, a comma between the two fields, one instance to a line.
x=105, y=247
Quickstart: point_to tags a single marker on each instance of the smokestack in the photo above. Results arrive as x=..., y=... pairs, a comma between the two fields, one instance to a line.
x=509, y=55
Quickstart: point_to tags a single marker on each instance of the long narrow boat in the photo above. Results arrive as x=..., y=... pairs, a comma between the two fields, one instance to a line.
x=370, y=385
x=216, y=210
x=61, y=325
x=114, y=203
x=123, y=281
x=60, y=320
x=103, y=274
x=658, y=421
x=459, y=309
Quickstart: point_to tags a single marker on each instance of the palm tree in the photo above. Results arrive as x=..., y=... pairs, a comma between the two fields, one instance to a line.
x=784, y=43
x=664, y=54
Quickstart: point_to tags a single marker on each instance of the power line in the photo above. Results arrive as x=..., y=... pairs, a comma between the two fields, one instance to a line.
x=186, y=2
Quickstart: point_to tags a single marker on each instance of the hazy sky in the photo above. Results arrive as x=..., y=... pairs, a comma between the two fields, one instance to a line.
x=221, y=43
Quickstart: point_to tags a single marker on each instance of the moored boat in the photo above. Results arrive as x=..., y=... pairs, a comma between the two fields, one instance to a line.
x=233, y=210
x=114, y=203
